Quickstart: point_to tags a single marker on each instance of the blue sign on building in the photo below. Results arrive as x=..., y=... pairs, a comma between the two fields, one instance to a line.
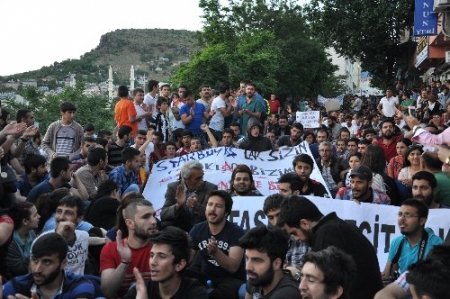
x=425, y=19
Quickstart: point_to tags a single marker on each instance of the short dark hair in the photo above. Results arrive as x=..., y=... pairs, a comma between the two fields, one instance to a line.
x=41, y=248
x=152, y=84
x=292, y=179
x=57, y=165
x=295, y=208
x=272, y=202
x=19, y=211
x=228, y=131
x=422, y=209
x=222, y=87
x=33, y=161
x=21, y=113
x=161, y=100
x=226, y=198
x=305, y=158
x=105, y=188
x=187, y=93
x=67, y=106
x=129, y=153
x=142, y=132
x=122, y=91
x=427, y=176
x=137, y=90
x=177, y=239
x=429, y=278
x=354, y=139
x=73, y=202
x=241, y=168
x=124, y=130
x=338, y=268
x=273, y=241
x=95, y=155
x=104, y=133
x=89, y=127
x=298, y=126
x=364, y=141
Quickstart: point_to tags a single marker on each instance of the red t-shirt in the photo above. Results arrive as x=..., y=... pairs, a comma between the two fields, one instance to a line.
x=110, y=259
x=274, y=105
x=390, y=150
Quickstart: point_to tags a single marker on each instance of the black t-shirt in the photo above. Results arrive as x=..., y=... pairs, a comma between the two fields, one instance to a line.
x=102, y=212
x=286, y=288
x=227, y=238
x=115, y=154
x=189, y=289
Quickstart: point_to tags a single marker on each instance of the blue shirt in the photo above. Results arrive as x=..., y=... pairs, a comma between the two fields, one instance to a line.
x=123, y=178
x=24, y=186
x=410, y=254
x=197, y=120
x=50, y=224
x=74, y=286
x=41, y=188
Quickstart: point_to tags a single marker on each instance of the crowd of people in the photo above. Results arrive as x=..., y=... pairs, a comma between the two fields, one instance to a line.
x=74, y=222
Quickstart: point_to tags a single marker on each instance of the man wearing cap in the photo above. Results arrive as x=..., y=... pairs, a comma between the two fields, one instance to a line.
x=388, y=140
x=361, y=190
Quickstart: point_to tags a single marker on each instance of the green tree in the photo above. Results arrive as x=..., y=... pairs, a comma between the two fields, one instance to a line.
x=266, y=42
x=90, y=109
x=368, y=30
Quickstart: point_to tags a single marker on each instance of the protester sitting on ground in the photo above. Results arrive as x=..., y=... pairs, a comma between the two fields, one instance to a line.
x=125, y=175
x=289, y=184
x=169, y=258
x=48, y=275
x=80, y=159
x=303, y=166
x=35, y=173
x=61, y=175
x=242, y=183
x=302, y=219
x=120, y=257
x=218, y=254
x=26, y=220
x=335, y=269
x=416, y=241
x=103, y=208
x=361, y=190
x=93, y=174
x=68, y=216
x=442, y=190
x=265, y=251
x=331, y=167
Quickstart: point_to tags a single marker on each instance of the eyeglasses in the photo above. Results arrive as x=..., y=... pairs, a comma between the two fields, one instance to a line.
x=407, y=215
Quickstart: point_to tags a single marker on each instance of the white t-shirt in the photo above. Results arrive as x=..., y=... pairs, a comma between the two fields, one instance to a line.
x=77, y=254
x=150, y=101
x=388, y=106
x=217, y=121
x=142, y=125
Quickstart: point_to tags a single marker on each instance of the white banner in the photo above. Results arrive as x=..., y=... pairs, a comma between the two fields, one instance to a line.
x=377, y=222
x=218, y=164
x=309, y=119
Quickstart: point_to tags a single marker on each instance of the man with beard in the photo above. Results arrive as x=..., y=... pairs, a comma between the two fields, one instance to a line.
x=120, y=257
x=388, y=104
x=205, y=96
x=302, y=219
x=423, y=188
x=218, y=254
x=416, y=241
x=250, y=108
x=242, y=183
x=441, y=188
x=361, y=190
x=388, y=139
x=35, y=172
x=327, y=274
x=169, y=257
x=265, y=251
x=48, y=278
x=61, y=175
x=294, y=138
x=186, y=198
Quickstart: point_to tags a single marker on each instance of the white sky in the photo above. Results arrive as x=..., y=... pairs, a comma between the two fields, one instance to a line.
x=36, y=33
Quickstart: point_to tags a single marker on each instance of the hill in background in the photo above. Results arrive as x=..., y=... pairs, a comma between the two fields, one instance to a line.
x=153, y=52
